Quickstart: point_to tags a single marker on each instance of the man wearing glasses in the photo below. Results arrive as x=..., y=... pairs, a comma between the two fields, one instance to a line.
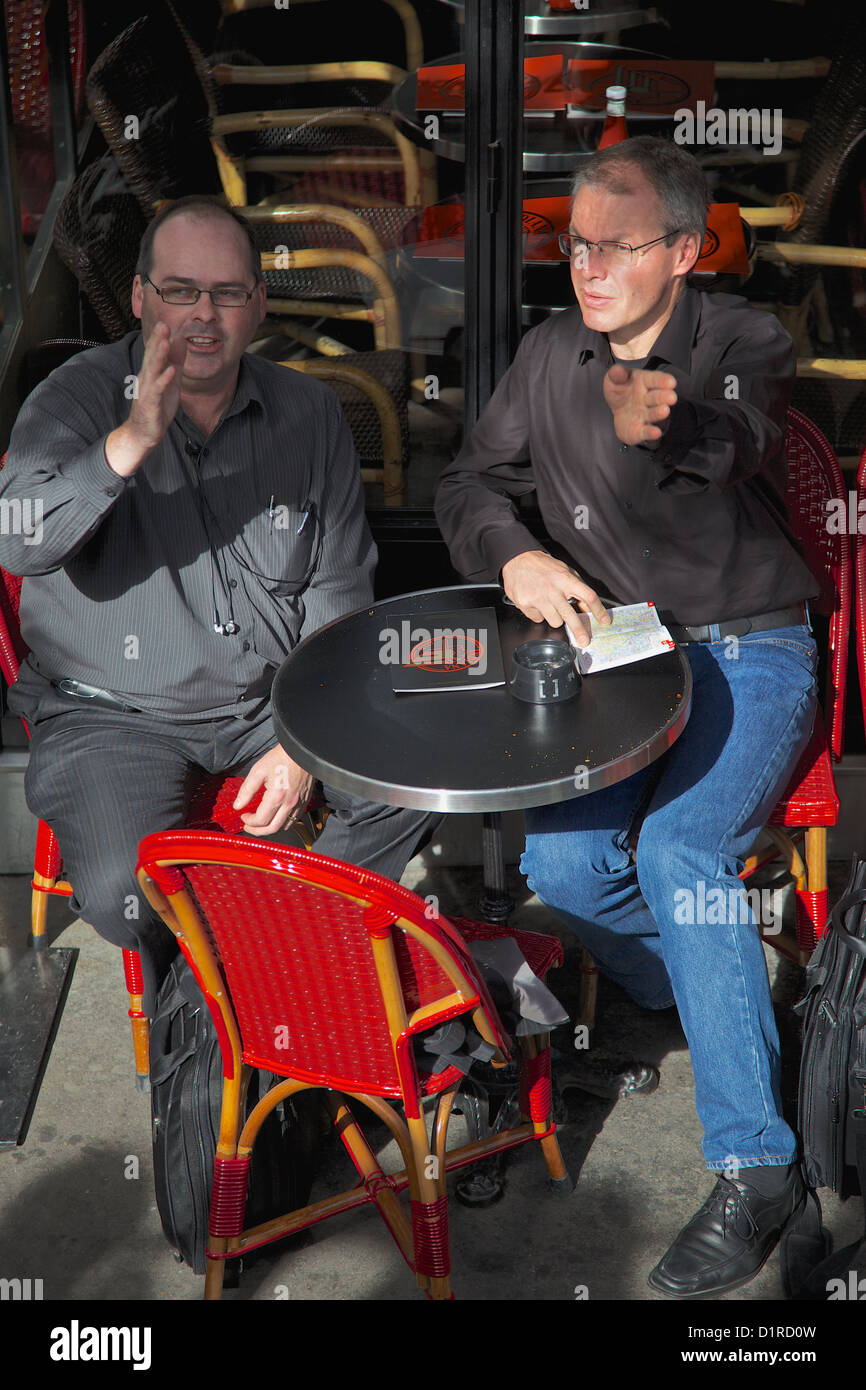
x=650, y=421
x=202, y=512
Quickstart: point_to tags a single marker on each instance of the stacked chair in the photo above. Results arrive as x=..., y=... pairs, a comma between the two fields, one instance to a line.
x=323, y=262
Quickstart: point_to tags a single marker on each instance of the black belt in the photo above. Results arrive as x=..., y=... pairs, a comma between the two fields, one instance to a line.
x=92, y=695
x=738, y=627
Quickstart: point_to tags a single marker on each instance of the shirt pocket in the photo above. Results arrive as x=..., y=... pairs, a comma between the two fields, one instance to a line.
x=282, y=548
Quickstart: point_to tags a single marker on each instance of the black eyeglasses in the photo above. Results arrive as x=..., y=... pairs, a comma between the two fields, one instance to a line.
x=617, y=253
x=229, y=297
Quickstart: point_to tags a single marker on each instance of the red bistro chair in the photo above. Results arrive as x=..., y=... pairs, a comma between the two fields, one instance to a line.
x=211, y=805
x=811, y=803
x=860, y=580
x=325, y=974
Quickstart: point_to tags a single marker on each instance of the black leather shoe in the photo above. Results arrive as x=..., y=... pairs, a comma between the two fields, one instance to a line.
x=729, y=1239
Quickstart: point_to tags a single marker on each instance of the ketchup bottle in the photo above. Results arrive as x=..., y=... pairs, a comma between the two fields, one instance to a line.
x=614, y=125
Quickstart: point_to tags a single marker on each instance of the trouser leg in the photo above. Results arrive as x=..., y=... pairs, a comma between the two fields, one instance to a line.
x=577, y=860
x=102, y=784
x=752, y=714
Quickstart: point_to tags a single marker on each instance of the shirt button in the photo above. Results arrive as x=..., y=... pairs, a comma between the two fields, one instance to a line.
x=623, y=448
x=233, y=583
x=627, y=506
x=646, y=553
x=246, y=645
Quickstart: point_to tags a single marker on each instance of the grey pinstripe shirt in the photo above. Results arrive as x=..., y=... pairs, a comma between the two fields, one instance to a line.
x=263, y=525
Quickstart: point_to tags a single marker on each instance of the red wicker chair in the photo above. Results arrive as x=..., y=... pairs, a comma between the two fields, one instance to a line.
x=811, y=803
x=860, y=581
x=324, y=974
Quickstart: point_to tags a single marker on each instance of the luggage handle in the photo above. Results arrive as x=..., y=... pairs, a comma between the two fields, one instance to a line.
x=854, y=943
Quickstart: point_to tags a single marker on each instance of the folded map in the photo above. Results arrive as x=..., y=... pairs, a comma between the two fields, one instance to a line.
x=635, y=633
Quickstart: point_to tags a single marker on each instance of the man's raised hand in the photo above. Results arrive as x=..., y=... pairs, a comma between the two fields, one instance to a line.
x=154, y=405
x=542, y=588
x=639, y=402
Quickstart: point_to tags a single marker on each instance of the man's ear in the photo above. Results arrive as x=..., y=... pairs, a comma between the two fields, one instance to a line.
x=263, y=300
x=689, y=251
x=137, y=296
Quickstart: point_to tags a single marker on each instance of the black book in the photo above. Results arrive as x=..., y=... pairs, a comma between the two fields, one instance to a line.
x=459, y=650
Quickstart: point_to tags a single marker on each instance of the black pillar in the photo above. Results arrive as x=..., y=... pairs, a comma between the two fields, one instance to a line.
x=493, y=195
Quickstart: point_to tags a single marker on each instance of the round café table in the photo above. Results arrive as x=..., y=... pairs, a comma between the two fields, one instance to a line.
x=336, y=713
x=601, y=17
x=552, y=141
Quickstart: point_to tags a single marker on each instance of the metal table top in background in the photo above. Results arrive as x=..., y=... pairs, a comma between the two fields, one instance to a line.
x=336, y=714
x=552, y=142
x=602, y=16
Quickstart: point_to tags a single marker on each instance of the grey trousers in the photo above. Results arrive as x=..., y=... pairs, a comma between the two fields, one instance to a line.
x=103, y=780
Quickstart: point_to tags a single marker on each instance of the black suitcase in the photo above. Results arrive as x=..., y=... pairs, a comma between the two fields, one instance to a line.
x=186, y=1087
x=832, y=1102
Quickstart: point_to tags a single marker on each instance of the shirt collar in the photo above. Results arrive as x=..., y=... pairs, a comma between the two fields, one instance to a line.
x=673, y=345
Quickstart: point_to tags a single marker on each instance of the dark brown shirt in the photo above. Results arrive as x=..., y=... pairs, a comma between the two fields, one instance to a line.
x=696, y=523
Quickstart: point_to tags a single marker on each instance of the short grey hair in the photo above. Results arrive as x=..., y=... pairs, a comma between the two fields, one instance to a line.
x=674, y=175
x=202, y=206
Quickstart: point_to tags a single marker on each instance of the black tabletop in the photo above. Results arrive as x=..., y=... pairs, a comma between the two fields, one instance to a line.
x=336, y=714
x=552, y=141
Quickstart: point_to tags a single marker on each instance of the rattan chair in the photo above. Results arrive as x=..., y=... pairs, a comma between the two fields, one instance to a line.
x=97, y=232
x=377, y=414
x=405, y=12
x=810, y=803
x=326, y=974
x=860, y=581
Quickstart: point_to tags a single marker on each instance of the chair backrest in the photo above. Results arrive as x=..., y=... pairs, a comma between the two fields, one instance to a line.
x=13, y=648
x=147, y=73
x=328, y=971
x=97, y=232
x=860, y=581
x=817, y=501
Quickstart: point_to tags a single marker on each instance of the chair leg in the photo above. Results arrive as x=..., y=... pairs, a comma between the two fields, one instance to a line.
x=813, y=905
x=536, y=1104
x=227, y=1207
x=588, y=996
x=140, y=1023
x=430, y=1237
x=39, y=912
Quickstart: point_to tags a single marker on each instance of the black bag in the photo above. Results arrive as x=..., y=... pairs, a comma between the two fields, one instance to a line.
x=832, y=1103
x=186, y=1089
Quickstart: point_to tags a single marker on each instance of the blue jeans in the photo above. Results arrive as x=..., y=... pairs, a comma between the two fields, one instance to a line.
x=674, y=924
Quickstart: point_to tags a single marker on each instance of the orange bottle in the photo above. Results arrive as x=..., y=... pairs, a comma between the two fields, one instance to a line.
x=614, y=126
